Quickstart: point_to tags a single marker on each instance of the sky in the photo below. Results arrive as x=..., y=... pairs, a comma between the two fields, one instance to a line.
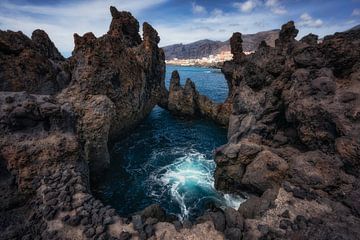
x=178, y=21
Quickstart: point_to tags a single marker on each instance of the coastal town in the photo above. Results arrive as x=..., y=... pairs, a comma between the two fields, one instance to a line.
x=211, y=60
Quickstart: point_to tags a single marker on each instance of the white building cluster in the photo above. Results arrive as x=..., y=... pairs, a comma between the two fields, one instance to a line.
x=205, y=61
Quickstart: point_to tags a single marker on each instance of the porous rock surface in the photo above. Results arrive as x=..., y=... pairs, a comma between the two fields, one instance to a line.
x=33, y=65
x=293, y=136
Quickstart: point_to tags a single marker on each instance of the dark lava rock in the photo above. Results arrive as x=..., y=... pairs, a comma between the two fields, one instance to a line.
x=125, y=236
x=154, y=211
x=187, y=224
x=32, y=65
x=285, y=224
x=298, y=103
x=73, y=221
x=233, y=233
x=149, y=230
x=178, y=225
x=233, y=218
x=236, y=46
x=137, y=222
x=285, y=214
x=89, y=232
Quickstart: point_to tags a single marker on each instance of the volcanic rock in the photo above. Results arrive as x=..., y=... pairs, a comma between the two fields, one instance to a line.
x=33, y=65
x=116, y=81
x=297, y=104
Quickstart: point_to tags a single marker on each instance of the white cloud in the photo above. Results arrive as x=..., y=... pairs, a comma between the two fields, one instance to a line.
x=356, y=12
x=247, y=6
x=307, y=21
x=198, y=9
x=276, y=7
x=62, y=21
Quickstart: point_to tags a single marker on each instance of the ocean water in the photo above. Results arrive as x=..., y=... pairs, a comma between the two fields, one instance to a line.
x=168, y=160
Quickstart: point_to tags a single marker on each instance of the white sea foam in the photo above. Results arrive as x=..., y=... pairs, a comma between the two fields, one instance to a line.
x=186, y=176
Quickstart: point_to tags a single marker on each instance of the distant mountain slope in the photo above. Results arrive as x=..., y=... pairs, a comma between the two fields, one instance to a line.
x=204, y=48
x=357, y=27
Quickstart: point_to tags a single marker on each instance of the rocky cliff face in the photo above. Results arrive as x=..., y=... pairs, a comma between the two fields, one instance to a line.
x=294, y=136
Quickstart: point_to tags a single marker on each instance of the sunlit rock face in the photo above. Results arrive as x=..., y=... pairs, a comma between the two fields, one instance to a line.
x=293, y=136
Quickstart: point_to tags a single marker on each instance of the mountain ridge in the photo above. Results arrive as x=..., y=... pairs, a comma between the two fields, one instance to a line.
x=206, y=47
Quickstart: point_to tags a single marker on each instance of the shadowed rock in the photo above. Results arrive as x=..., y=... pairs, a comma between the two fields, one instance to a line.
x=32, y=65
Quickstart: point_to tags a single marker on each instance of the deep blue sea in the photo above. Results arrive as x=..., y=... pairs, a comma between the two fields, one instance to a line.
x=168, y=160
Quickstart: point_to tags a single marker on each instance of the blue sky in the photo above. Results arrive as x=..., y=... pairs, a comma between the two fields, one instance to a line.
x=178, y=21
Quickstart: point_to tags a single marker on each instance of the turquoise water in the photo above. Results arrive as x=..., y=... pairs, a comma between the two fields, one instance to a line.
x=169, y=161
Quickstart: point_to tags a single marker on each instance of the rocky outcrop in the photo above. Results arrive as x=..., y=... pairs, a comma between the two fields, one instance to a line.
x=116, y=81
x=293, y=137
x=33, y=65
x=187, y=102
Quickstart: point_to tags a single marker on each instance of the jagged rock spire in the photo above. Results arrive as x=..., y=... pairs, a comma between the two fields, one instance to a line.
x=42, y=41
x=175, y=80
x=287, y=34
x=151, y=37
x=123, y=24
x=236, y=46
